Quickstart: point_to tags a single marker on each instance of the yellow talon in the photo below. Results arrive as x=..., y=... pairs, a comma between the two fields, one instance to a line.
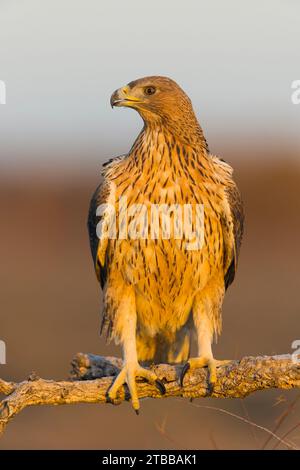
x=128, y=376
x=203, y=361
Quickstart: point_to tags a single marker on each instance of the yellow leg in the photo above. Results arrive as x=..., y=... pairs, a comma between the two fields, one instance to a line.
x=131, y=368
x=204, y=330
x=128, y=376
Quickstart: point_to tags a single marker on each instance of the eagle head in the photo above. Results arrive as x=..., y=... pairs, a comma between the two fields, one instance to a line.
x=155, y=98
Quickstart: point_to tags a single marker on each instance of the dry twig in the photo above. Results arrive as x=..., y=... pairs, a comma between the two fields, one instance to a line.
x=92, y=376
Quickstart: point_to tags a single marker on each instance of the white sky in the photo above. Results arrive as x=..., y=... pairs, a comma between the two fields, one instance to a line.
x=62, y=59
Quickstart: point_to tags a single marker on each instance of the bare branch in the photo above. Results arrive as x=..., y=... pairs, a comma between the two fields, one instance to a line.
x=6, y=387
x=92, y=375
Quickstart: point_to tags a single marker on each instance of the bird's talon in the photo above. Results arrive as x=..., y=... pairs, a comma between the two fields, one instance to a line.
x=127, y=376
x=109, y=400
x=204, y=361
x=160, y=386
x=185, y=368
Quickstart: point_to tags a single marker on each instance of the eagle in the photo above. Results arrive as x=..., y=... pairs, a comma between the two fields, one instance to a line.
x=164, y=285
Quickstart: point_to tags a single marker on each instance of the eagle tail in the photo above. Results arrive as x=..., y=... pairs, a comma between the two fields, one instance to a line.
x=161, y=349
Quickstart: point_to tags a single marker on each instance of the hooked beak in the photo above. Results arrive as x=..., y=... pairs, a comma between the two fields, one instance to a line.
x=121, y=97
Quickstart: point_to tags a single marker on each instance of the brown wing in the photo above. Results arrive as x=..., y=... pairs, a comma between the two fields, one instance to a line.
x=232, y=219
x=99, y=245
x=233, y=224
x=99, y=197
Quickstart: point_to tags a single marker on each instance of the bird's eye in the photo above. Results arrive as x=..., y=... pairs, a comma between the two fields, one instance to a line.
x=149, y=90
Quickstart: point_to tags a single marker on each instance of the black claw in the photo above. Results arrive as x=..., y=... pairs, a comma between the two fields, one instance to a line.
x=112, y=402
x=160, y=386
x=210, y=388
x=109, y=400
x=137, y=412
x=185, y=368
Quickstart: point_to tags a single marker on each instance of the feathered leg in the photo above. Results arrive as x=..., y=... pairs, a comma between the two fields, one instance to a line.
x=207, y=320
x=131, y=367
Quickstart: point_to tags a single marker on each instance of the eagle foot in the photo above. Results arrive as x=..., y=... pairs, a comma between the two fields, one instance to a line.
x=203, y=361
x=128, y=375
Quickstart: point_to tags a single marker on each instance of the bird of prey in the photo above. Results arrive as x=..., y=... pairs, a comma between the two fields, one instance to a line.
x=158, y=290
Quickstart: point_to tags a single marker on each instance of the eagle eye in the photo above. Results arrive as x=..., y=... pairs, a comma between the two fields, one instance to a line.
x=149, y=90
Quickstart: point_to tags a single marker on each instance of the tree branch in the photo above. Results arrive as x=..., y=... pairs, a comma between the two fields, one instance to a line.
x=92, y=375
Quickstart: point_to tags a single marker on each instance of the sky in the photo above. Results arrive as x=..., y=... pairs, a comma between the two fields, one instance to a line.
x=61, y=60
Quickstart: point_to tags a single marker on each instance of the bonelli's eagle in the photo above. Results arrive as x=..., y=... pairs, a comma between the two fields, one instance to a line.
x=163, y=279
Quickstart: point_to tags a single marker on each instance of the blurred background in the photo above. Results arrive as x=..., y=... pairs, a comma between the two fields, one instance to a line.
x=60, y=61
